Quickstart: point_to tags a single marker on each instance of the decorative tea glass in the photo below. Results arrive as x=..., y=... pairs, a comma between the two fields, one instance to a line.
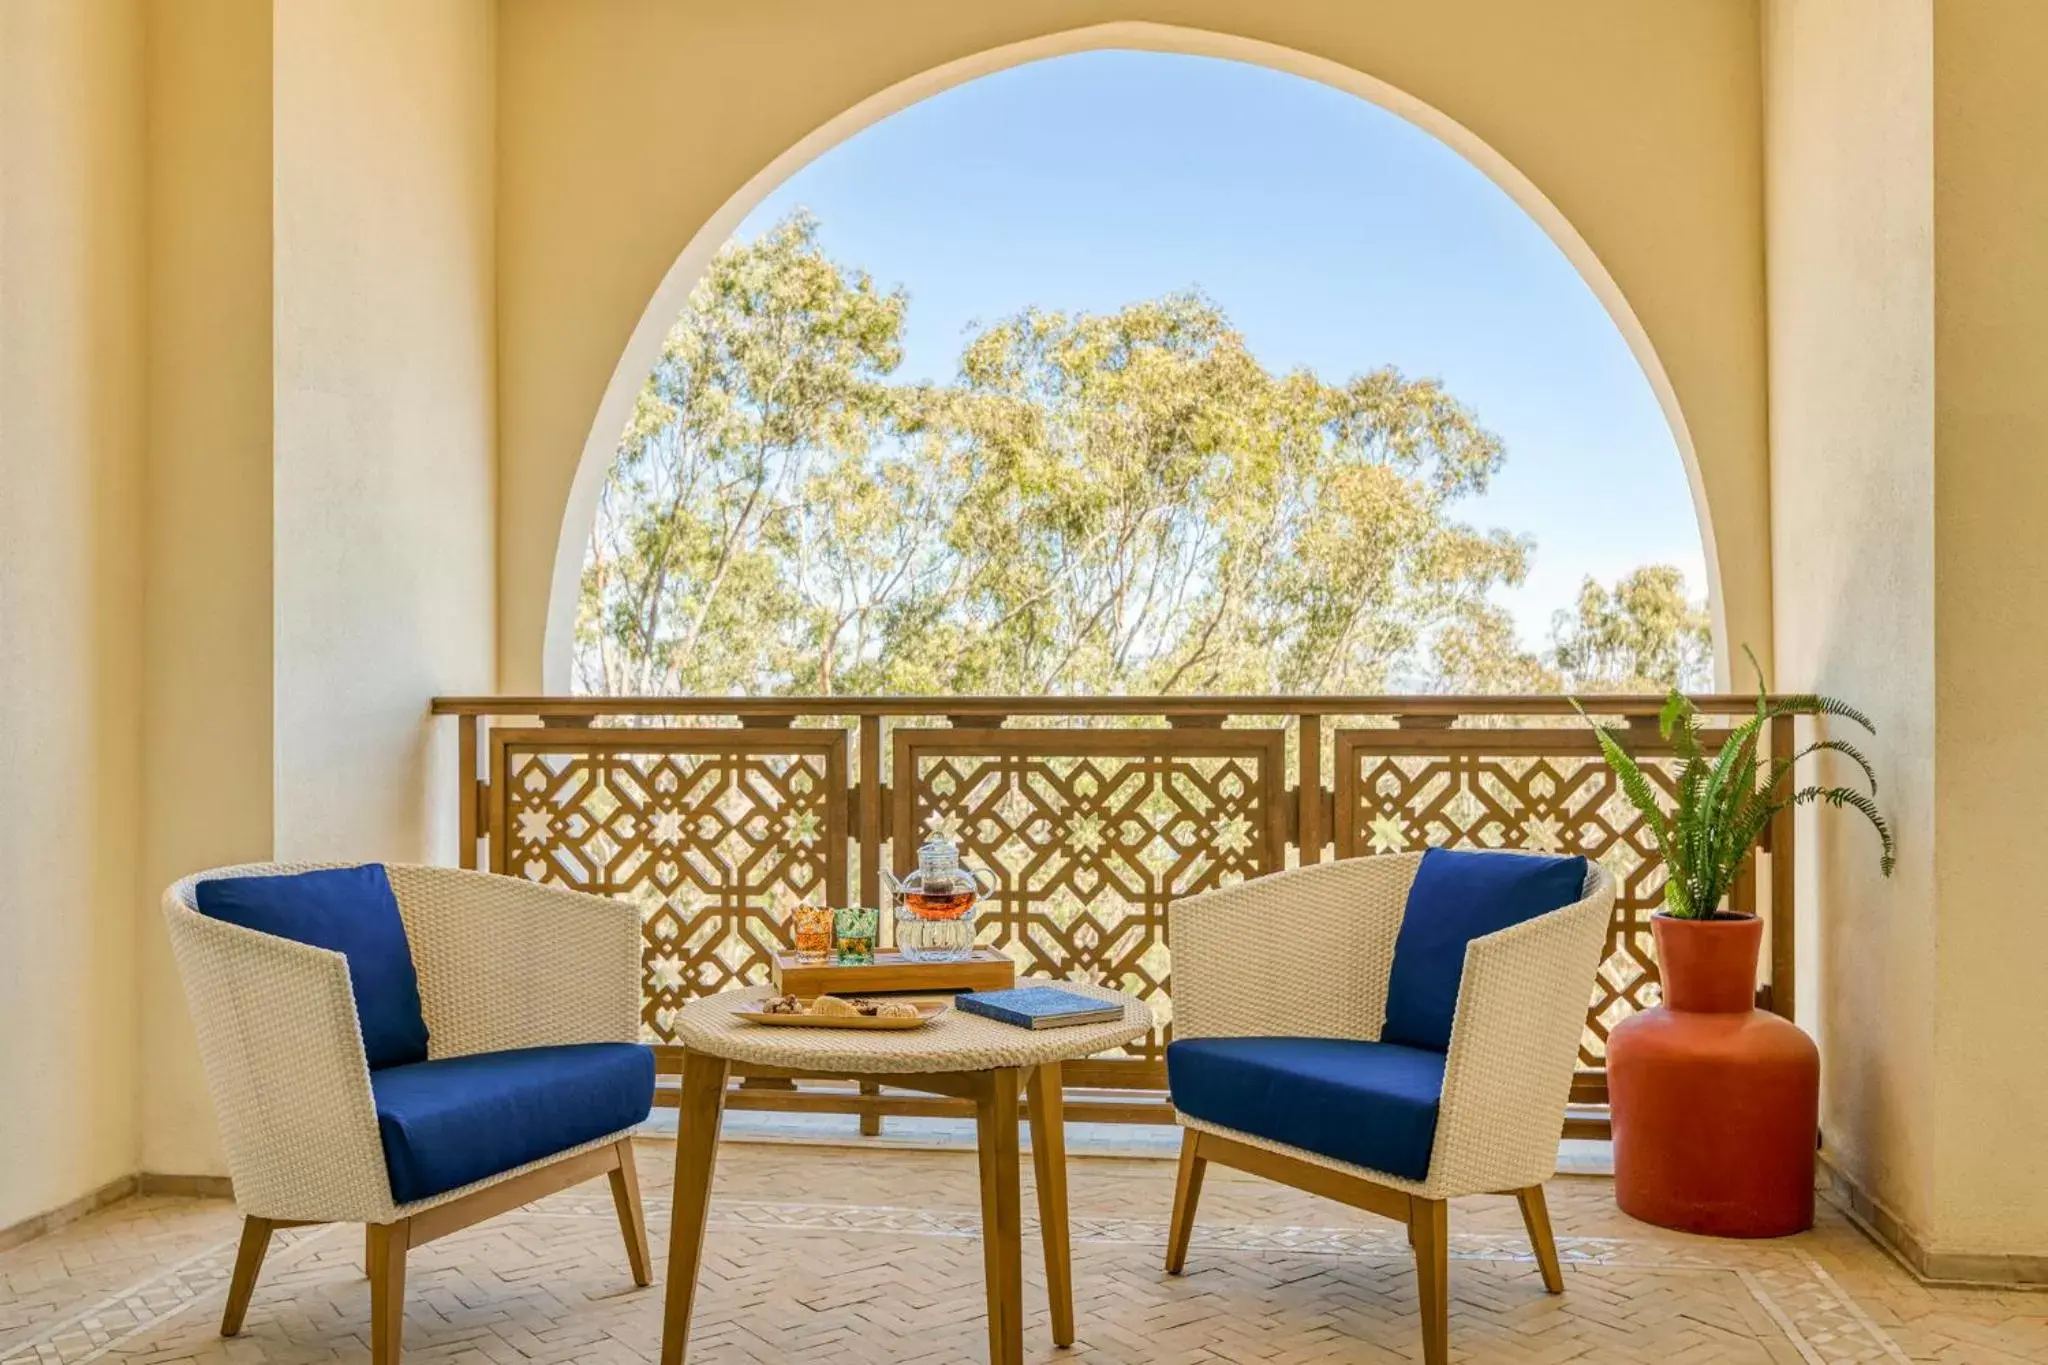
x=810, y=926
x=935, y=905
x=853, y=930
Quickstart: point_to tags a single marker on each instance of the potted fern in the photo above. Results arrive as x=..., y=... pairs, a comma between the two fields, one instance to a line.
x=1715, y=1103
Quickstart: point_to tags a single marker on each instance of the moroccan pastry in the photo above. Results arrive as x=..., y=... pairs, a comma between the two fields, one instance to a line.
x=782, y=1004
x=831, y=1006
x=896, y=1009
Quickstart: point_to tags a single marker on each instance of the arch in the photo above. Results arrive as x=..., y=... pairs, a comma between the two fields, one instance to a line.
x=644, y=345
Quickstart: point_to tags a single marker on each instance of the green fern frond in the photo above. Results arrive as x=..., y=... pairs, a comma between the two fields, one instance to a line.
x=1814, y=704
x=1676, y=724
x=1756, y=810
x=1856, y=801
x=1723, y=802
x=1634, y=785
x=1782, y=769
x=1758, y=669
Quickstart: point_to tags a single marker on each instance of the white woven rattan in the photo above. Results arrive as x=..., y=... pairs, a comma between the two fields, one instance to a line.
x=1307, y=953
x=502, y=964
x=955, y=1041
x=1298, y=954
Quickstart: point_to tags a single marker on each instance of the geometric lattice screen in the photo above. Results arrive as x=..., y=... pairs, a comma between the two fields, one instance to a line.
x=714, y=834
x=1091, y=834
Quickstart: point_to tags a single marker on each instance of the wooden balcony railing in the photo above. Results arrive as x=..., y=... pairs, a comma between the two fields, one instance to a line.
x=716, y=815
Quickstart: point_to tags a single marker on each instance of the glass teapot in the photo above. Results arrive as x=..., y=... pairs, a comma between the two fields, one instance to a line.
x=935, y=904
x=941, y=888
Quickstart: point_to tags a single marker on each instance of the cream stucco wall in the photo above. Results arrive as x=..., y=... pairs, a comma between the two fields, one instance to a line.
x=207, y=797
x=1850, y=219
x=385, y=439
x=1908, y=240
x=629, y=129
x=1991, y=623
x=71, y=443
x=321, y=467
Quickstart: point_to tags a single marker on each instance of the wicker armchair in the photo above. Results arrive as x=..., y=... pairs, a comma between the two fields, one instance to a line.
x=1300, y=957
x=503, y=966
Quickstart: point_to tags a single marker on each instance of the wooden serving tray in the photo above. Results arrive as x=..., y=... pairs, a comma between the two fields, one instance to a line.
x=985, y=970
x=927, y=1010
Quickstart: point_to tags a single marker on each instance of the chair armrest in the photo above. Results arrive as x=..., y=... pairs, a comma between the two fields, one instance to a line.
x=283, y=1055
x=1303, y=953
x=507, y=963
x=1515, y=1044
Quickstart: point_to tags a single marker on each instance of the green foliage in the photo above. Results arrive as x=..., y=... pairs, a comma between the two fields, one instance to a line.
x=1642, y=636
x=1116, y=503
x=1724, y=801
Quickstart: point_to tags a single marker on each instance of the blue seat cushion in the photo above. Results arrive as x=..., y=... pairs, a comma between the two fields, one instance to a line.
x=1371, y=1104
x=449, y=1123
x=351, y=911
x=1457, y=897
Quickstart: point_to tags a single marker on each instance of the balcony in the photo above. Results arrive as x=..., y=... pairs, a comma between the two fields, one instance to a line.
x=320, y=325
x=715, y=817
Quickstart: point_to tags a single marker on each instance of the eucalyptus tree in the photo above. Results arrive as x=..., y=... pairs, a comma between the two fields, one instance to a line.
x=1122, y=502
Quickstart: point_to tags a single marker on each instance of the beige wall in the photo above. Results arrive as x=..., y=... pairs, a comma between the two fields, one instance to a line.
x=1851, y=251
x=321, y=463
x=207, y=625
x=385, y=437
x=1991, y=622
x=70, y=591
x=628, y=126
x=1908, y=238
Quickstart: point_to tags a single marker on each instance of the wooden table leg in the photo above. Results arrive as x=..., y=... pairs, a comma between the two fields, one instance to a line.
x=1049, y=1168
x=995, y=1122
x=703, y=1107
x=870, y=1124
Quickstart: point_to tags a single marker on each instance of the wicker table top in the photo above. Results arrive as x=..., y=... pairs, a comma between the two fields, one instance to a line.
x=956, y=1041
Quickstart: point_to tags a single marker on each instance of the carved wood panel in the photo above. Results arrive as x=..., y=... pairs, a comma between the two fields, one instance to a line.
x=714, y=834
x=1546, y=791
x=1091, y=834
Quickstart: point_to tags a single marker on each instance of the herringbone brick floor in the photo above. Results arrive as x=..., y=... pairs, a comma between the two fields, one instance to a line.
x=849, y=1254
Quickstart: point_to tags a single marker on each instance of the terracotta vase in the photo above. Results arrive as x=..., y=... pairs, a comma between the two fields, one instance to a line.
x=1715, y=1102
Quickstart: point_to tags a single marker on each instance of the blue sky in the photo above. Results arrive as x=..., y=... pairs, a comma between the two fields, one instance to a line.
x=1334, y=234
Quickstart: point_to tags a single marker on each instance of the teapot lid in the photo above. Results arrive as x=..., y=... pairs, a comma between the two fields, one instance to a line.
x=938, y=854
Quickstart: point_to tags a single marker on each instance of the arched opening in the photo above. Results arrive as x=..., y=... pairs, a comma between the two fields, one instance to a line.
x=641, y=354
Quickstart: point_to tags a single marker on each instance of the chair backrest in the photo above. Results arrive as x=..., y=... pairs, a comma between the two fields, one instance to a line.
x=1515, y=1045
x=1304, y=953
x=283, y=1056
x=353, y=911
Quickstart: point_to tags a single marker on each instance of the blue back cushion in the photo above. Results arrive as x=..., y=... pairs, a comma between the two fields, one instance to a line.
x=1457, y=897
x=454, y=1122
x=351, y=911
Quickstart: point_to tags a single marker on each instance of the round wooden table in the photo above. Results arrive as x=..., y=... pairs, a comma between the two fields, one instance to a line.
x=959, y=1054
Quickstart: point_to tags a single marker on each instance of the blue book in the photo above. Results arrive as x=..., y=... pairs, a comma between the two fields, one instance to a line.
x=1040, y=1007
